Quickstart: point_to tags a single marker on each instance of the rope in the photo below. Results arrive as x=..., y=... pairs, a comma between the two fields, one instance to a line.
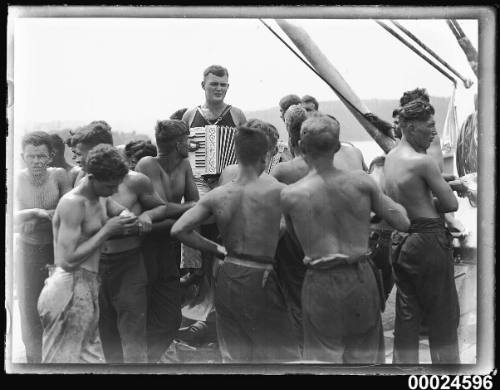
x=467, y=83
x=414, y=49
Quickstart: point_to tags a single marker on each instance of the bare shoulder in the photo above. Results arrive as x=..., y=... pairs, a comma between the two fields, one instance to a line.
x=239, y=115
x=272, y=182
x=137, y=181
x=146, y=162
x=188, y=115
x=59, y=173
x=70, y=203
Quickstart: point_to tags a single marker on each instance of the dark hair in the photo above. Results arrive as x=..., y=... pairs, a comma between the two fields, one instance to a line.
x=319, y=135
x=310, y=99
x=178, y=114
x=37, y=138
x=140, y=149
x=57, y=143
x=414, y=94
x=269, y=129
x=167, y=132
x=96, y=132
x=251, y=144
x=287, y=101
x=378, y=161
x=416, y=110
x=216, y=70
x=294, y=117
x=104, y=162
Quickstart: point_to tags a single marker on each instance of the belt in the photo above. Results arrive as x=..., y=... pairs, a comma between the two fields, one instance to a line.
x=333, y=261
x=380, y=234
x=251, y=264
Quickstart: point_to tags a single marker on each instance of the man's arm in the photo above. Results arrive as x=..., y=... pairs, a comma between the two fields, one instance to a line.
x=386, y=208
x=445, y=201
x=188, y=116
x=286, y=205
x=184, y=228
x=68, y=250
x=113, y=208
x=436, y=153
x=191, y=193
x=63, y=181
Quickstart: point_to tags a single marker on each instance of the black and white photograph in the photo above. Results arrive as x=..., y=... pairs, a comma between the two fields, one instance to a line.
x=258, y=190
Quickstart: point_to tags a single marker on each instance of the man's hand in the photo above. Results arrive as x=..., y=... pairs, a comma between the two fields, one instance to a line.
x=221, y=252
x=119, y=225
x=145, y=223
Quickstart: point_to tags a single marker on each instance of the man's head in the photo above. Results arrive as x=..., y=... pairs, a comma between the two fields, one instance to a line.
x=135, y=150
x=408, y=96
x=271, y=132
x=310, y=103
x=58, y=145
x=105, y=169
x=215, y=83
x=37, y=151
x=86, y=137
x=286, y=102
x=294, y=117
x=319, y=137
x=172, y=136
x=251, y=146
x=178, y=114
x=416, y=122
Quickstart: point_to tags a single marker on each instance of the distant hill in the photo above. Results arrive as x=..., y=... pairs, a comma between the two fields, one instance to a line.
x=350, y=129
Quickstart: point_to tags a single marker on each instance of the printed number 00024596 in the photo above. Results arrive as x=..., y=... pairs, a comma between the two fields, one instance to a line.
x=446, y=382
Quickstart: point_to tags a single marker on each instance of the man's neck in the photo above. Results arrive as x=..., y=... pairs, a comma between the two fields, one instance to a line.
x=214, y=107
x=405, y=142
x=86, y=189
x=169, y=160
x=322, y=164
x=247, y=173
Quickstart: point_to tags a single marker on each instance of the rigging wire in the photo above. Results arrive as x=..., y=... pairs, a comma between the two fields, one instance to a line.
x=467, y=83
x=414, y=49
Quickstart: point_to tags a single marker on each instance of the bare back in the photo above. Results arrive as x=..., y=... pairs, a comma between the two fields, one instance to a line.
x=349, y=158
x=330, y=213
x=248, y=215
x=405, y=181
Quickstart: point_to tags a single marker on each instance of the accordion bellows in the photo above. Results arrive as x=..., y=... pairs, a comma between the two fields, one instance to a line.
x=212, y=149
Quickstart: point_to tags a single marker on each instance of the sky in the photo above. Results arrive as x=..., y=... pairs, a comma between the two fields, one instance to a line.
x=140, y=70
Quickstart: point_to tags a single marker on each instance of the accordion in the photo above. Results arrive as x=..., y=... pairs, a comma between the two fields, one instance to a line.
x=211, y=149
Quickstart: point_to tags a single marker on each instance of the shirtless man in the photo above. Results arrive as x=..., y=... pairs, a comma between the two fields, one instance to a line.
x=252, y=321
x=38, y=190
x=172, y=178
x=423, y=262
x=84, y=219
x=231, y=171
x=329, y=212
x=122, y=296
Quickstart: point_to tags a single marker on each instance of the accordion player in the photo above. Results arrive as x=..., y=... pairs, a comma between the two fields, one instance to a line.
x=211, y=149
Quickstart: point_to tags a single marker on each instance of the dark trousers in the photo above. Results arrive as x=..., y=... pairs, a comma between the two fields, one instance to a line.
x=31, y=272
x=161, y=257
x=424, y=272
x=253, y=324
x=122, y=304
x=341, y=314
x=381, y=255
x=291, y=271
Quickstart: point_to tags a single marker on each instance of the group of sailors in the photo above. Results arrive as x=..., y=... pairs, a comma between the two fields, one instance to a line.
x=298, y=262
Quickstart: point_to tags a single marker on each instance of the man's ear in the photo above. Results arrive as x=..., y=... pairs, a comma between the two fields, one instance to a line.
x=302, y=147
x=203, y=84
x=338, y=147
x=90, y=176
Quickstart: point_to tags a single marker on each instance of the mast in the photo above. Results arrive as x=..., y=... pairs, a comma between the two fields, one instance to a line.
x=335, y=80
